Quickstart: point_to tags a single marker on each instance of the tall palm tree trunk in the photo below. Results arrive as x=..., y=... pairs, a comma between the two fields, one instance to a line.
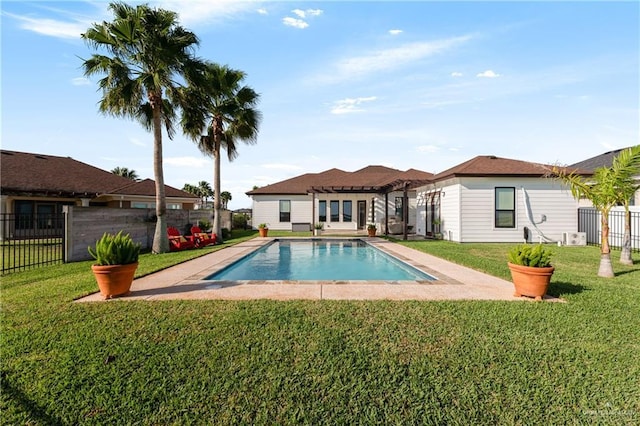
x=160, y=237
x=217, y=226
x=625, y=254
x=606, y=268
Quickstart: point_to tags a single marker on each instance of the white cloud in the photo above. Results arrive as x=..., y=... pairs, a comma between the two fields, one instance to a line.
x=293, y=22
x=277, y=166
x=300, y=22
x=299, y=13
x=262, y=11
x=52, y=27
x=456, y=74
x=80, y=81
x=488, y=74
x=395, y=32
x=196, y=12
x=387, y=59
x=430, y=149
x=193, y=162
x=349, y=105
x=137, y=142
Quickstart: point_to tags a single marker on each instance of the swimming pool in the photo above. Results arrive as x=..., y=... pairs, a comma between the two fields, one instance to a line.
x=319, y=259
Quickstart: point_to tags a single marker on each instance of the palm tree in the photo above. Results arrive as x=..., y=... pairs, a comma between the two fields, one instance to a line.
x=126, y=173
x=225, y=197
x=205, y=191
x=626, y=165
x=606, y=188
x=191, y=189
x=146, y=52
x=225, y=109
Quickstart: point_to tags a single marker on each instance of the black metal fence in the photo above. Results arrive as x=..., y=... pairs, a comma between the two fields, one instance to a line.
x=590, y=223
x=31, y=240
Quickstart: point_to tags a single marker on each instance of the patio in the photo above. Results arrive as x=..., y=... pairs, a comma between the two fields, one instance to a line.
x=186, y=281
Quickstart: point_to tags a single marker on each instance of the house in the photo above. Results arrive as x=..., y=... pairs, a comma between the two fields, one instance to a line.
x=589, y=219
x=341, y=201
x=37, y=184
x=604, y=160
x=492, y=199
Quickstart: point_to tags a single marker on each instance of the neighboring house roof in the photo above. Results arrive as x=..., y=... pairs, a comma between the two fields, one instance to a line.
x=368, y=179
x=148, y=187
x=602, y=160
x=492, y=166
x=23, y=173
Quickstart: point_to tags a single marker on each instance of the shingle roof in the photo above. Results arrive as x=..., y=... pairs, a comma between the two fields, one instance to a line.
x=39, y=174
x=602, y=160
x=148, y=187
x=368, y=179
x=490, y=165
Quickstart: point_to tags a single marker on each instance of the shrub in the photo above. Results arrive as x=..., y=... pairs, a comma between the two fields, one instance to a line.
x=537, y=256
x=225, y=233
x=116, y=249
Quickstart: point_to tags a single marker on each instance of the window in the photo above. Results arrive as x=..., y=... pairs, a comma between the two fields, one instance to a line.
x=399, y=210
x=285, y=211
x=322, y=211
x=505, y=208
x=346, y=211
x=335, y=210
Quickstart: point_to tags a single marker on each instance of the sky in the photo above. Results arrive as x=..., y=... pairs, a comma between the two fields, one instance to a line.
x=418, y=84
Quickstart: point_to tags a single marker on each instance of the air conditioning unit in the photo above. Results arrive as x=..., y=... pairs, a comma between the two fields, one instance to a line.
x=574, y=238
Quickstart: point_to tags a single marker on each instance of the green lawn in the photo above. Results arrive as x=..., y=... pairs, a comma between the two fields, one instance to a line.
x=324, y=362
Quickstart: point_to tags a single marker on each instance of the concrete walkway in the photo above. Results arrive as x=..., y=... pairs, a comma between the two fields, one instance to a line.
x=186, y=281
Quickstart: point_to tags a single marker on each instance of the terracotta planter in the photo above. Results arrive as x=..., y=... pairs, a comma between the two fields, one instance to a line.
x=371, y=232
x=114, y=280
x=530, y=281
x=263, y=231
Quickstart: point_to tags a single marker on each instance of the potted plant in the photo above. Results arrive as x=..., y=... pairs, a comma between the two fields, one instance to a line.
x=116, y=259
x=263, y=228
x=531, y=269
x=371, y=229
x=317, y=228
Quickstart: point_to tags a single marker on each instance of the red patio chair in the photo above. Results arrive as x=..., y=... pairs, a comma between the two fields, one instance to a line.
x=200, y=238
x=177, y=241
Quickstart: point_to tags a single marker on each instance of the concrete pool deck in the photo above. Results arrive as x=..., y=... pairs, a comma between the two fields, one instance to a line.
x=186, y=281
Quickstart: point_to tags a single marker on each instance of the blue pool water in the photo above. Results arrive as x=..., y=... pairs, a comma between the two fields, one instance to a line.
x=319, y=260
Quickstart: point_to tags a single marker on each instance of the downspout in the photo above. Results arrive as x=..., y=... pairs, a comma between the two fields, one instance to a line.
x=313, y=212
x=386, y=212
x=405, y=210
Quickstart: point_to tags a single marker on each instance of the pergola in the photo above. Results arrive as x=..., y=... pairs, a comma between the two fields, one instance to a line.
x=403, y=185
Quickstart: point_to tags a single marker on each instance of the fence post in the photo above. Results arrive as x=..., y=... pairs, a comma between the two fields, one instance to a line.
x=67, y=211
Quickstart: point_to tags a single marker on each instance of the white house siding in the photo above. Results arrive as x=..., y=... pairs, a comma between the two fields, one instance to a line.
x=449, y=209
x=266, y=209
x=341, y=225
x=546, y=197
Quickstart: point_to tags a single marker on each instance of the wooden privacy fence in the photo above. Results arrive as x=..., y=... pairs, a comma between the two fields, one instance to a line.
x=29, y=241
x=85, y=225
x=589, y=222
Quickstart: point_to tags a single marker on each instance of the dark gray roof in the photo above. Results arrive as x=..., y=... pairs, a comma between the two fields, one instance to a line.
x=602, y=160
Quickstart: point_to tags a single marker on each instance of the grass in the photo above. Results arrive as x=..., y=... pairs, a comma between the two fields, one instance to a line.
x=324, y=362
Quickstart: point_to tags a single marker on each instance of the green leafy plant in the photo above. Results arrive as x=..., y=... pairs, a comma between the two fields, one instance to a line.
x=263, y=226
x=319, y=226
x=537, y=256
x=371, y=226
x=118, y=249
x=204, y=224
